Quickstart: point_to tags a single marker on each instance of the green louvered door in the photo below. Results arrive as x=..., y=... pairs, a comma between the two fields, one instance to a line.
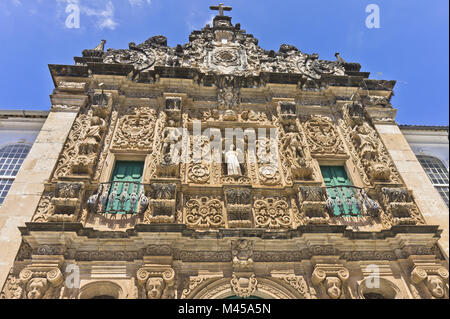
x=344, y=198
x=125, y=187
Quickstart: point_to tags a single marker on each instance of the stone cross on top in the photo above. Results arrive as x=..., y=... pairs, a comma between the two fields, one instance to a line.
x=221, y=9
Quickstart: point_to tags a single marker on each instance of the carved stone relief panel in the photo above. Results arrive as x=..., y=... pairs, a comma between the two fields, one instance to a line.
x=272, y=212
x=203, y=212
x=369, y=153
x=238, y=202
x=83, y=144
x=313, y=205
x=135, y=131
x=322, y=135
x=400, y=207
x=162, y=204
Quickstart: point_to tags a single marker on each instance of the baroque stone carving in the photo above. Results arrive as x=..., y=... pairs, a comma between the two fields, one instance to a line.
x=313, y=205
x=198, y=173
x=242, y=250
x=296, y=159
x=322, y=135
x=244, y=286
x=272, y=212
x=400, y=207
x=83, y=144
x=35, y=282
x=370, y=155
x=239, y=208
x=223, y=49
x=204, y=212
x=156, y=282
x=136, y=131
x=433, y=277
x=162, y=204
x=331, y=278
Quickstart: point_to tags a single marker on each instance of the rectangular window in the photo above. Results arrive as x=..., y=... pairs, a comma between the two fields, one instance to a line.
x=341, y=194
x=125, y=188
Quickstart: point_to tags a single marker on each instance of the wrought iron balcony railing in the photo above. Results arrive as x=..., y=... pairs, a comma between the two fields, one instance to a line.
x=126, y=198
x=350, y=201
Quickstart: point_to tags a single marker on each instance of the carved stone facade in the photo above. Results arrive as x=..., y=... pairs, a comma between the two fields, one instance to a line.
x=216, y=217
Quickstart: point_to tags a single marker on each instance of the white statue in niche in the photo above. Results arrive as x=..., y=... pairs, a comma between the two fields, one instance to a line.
x=232, y=161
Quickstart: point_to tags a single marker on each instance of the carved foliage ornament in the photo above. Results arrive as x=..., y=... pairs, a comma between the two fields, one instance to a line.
x=272, y=212
x=204, y=212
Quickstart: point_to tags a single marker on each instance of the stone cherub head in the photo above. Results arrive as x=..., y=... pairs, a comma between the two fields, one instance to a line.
x=155, y=288
x=36, y=288
x=436, y=286
x=333, y=286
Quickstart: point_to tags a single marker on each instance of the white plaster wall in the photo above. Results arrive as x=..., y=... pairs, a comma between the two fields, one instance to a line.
x=19, y=130
x=429, y=143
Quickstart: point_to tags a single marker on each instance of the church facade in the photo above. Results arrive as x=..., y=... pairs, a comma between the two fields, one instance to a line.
x=218, y=170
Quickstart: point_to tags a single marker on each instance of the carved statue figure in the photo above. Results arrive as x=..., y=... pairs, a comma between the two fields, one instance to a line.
x=232, y=161
x=93, y=135
x=361, y=135
x=171, y=138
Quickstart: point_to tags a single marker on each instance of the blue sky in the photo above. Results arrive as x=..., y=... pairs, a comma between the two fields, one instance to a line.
x=412, y=45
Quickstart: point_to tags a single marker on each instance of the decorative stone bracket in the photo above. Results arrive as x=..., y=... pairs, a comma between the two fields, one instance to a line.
x=331, y=277
x=433, y=278
x=156, y=282
x=39, y=280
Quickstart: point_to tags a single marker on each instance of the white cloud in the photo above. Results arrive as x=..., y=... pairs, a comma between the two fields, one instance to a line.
x=138, y=3
x=105, y=18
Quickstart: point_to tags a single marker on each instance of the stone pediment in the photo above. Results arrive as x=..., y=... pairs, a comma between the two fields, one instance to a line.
x=223, y=49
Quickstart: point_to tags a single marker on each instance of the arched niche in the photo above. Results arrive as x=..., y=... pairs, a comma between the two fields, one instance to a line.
x=266, y=289
x=385, y=290
x=100, y=290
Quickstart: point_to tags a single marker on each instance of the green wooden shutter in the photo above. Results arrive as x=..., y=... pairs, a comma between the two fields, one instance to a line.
x=125, y=181
x=336, y=179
